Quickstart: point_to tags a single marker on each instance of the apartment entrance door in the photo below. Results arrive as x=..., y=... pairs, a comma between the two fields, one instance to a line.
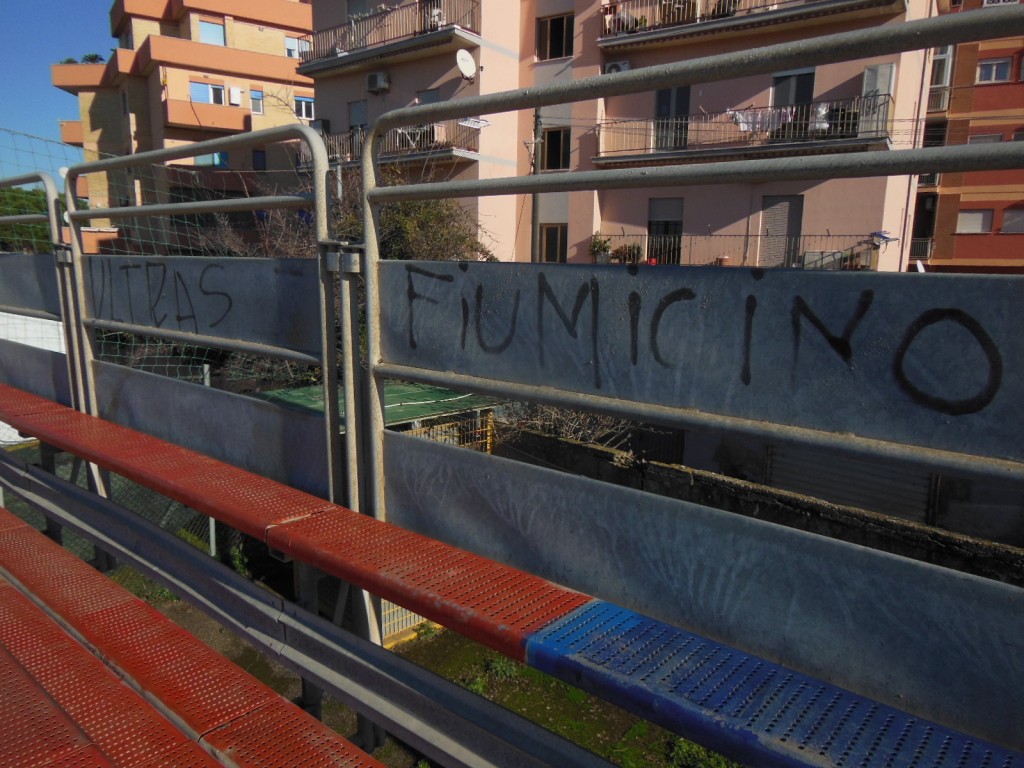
x=781, y=220
x=671, y=108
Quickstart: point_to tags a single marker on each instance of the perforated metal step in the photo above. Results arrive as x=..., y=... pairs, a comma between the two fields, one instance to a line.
x=749, y=708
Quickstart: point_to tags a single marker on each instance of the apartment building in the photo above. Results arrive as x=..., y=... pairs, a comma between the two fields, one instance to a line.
x=367, y=59
x=184, y=71
x=973, y=222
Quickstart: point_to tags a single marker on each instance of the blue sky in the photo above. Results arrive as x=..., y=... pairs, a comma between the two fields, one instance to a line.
x=33, y=36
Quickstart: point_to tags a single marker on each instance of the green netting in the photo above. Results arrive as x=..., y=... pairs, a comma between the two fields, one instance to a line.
x=404, y=402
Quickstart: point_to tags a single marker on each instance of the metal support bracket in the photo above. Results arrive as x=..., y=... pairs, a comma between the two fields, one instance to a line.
x=63, y=253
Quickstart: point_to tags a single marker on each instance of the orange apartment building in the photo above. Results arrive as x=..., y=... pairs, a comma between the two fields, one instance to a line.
x=185, y=71
x=367, y=58
x=973, y=222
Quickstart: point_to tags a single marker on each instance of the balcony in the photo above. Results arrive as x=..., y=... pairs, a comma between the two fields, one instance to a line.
x=420, y=23
x=857, y=123
x=938, y=99
x=447, y=139
x=72, y=132
x=207, y=117
x=921, y=248
x=827, y=252
x=641, y=20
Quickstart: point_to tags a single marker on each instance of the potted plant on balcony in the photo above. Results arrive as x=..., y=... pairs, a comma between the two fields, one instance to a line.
x=600, y=248
x=627, y=254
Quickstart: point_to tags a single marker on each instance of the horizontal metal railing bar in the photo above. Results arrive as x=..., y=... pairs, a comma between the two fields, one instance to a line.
x=313, y=144
x=954, y=159
x=49, y=190
x=690, y=418
x=24, y=218
x=197, y=207
x=202, y=340
x=844, y=46
x=38, y=314
x=438, y=718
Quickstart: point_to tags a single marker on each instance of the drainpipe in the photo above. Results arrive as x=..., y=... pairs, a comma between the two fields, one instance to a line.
x=535, y=197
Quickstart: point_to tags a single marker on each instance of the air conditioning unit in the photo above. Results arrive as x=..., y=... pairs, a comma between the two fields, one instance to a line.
x=616, y=66
x=377, y=82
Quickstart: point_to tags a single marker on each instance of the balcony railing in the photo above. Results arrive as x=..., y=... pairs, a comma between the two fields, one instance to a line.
x=630, y=16
x=867, y=117
x=921, y=248
x=938, y=99
x=431, y=139
x=390, y=25
x=831, y=252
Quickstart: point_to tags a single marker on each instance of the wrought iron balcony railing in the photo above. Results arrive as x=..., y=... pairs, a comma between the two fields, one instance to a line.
x=629, y=16
x=430, y=139
x=390, y=25
x=938, y=99
x=865, y=117
x=831, y=252
x=921, y=248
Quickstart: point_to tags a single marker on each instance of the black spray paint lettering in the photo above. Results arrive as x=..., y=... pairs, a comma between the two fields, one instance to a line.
x=546, y=296
x=411, y=294
x=988, y=347
x=120, y=305
x=800, y=312
x=840, y=344
x=501, y=346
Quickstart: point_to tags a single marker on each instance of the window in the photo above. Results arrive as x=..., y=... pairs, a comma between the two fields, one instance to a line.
x=215, y=160
x=985, y=138
x=554, y=243
x=211, y=33
x=554, y=37
x=1013, y=221
x=1018, y=136
x=974, y=222
x=259, y=159
x=295, y=47
x=257, y=101
x=304, y=107
x=555, y=149
x=993, y=71
x=941, y=70
x=205, y=93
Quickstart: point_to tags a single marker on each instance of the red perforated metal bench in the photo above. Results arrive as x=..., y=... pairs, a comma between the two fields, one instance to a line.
x=100, y=678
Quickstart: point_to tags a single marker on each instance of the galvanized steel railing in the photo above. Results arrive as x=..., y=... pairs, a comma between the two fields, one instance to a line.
x=513, y=331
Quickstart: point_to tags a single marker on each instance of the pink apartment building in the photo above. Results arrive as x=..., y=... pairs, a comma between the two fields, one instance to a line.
x=367, y=58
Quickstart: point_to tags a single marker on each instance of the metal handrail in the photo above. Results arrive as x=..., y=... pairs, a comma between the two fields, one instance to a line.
x=839, y=47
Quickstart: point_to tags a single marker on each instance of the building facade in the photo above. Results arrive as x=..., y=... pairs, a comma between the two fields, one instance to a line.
x=186, y=71
x=367, y=59
x=973, y=222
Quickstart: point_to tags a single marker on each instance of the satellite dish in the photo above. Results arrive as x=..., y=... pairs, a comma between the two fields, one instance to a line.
x=464, y=61
x=63, y=171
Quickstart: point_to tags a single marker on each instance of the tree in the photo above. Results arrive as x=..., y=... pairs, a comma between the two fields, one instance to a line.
x=422, y=230
x=25, y=238
x=92, y=58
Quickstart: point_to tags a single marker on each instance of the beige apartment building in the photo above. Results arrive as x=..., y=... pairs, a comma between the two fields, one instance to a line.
x=184, y=71
x=367, y=58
